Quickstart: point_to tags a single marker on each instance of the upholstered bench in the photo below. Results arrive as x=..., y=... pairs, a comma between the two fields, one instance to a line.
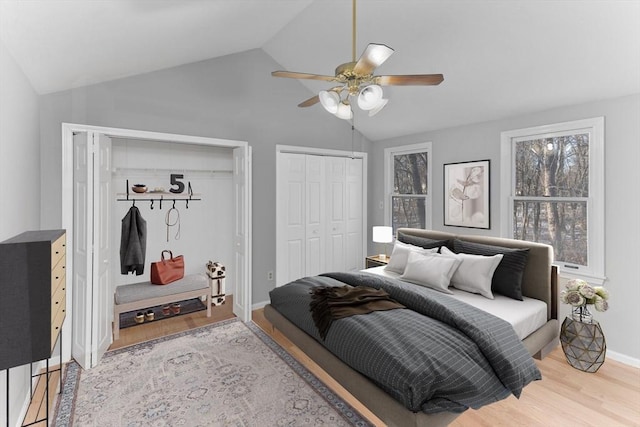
x=137, y=296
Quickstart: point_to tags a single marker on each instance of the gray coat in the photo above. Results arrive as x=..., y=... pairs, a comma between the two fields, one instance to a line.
x=133, y=243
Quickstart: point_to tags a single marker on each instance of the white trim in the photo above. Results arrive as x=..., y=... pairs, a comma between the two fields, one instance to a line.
x=259, y=305
x=623, y=358
x=595, y=272
x=388, y=178
x=320, y=151
x=67, y=196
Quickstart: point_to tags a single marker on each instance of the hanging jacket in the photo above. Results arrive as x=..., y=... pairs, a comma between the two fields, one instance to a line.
x=133, y=243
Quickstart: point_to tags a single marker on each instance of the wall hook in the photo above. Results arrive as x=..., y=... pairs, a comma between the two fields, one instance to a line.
x=187, y=203
x=174, y=204
x=151, y=204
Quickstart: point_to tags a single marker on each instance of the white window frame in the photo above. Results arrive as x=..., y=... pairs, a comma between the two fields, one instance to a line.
x=595, y=271
x=389, y=153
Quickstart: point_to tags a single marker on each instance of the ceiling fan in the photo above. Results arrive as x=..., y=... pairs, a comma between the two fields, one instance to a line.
x=356, y=80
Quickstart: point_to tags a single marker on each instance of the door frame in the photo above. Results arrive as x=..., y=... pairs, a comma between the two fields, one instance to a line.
x=68, y=130
x=293, y=149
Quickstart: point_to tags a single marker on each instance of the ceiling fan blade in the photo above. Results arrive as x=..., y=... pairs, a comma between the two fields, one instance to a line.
x=309, y=102
x=410, y=80
x=294, y=75
x=373, y=56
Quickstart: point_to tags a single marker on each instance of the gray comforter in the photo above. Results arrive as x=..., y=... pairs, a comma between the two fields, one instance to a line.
x=438, y=354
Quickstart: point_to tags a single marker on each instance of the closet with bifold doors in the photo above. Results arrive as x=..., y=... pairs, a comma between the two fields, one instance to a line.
x=137, y=194
x=321, y=222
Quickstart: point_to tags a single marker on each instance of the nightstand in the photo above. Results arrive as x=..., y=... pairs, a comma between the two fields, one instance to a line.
x=376, y=261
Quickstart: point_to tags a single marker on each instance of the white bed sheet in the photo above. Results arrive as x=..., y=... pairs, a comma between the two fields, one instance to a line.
x=525, y=316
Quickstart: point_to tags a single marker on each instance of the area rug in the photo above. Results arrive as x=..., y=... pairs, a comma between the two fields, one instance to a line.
x=226, y=374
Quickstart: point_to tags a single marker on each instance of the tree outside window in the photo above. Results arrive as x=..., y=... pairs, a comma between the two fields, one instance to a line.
x=557, y=170
x=553, y=192
x=409, y=186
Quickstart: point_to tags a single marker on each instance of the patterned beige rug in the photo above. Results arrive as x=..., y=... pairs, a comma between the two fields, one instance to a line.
x=225, y=374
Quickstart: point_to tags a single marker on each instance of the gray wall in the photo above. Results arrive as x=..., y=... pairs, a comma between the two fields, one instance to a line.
x=232, y=97
x=19, y=188
x=622, y=211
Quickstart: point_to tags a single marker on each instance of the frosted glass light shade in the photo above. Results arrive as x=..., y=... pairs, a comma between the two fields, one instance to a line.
x=370, y=96
x=329, y=100
x=382, y=234
x=344, y=111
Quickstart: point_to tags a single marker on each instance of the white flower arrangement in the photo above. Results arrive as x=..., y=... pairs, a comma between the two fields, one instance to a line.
x=579, y=293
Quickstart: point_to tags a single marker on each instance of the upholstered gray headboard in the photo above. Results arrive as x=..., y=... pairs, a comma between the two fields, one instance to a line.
x=539, y=279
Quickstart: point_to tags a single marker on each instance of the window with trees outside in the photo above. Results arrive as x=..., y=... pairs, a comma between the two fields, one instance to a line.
x=407, y=184
x=555, y=182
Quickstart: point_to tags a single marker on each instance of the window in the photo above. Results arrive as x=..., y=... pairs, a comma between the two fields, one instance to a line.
x=407, y=181
x=553, y=186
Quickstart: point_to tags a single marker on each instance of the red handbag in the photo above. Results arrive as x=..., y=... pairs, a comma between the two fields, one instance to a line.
x=166, y=271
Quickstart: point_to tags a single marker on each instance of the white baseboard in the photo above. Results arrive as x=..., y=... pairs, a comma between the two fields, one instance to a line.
x=623, y=358
x=259, y=305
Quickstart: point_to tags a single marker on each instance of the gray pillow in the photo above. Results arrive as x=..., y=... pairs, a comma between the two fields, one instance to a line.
x=423, y=242
x=507, y=279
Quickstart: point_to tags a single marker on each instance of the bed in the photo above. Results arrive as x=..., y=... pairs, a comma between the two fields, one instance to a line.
x=538, y=335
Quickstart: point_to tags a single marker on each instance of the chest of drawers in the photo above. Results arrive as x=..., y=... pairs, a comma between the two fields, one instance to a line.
x=32, y=295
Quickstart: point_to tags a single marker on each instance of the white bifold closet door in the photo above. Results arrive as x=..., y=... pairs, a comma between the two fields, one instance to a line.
x=91, y=331
x=320, y=215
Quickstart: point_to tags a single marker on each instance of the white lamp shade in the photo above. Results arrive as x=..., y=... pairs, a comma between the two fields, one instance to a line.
x=375, y=110
x=382, y=234
x=370, y=96
x=344, y=111
x=329, y=100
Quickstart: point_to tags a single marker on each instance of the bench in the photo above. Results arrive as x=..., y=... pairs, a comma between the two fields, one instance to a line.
x=137, y=296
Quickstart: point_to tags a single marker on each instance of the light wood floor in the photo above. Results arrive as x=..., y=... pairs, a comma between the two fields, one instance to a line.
x=565, y=397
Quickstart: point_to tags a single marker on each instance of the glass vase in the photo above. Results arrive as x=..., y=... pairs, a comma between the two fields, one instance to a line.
x=582, y=314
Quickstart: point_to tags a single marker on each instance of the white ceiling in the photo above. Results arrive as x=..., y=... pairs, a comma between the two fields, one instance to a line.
x=500, y=58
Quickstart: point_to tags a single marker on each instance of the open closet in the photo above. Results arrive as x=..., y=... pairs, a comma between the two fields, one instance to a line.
x=206, y=217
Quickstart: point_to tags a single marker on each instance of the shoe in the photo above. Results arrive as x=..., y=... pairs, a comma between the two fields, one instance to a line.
x=175, y=308
x=139, y=317
x=166, y=310
x=149, y=316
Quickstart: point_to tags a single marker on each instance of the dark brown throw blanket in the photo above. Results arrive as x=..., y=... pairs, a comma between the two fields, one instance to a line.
x=329, y=303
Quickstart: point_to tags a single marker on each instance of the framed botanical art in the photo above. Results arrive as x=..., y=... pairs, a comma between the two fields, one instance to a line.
x=466, y=194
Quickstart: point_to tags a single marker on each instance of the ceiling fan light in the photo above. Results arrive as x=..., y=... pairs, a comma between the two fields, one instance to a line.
x=329, y=100
x=344, y=111
x=378, y=107
x=370, y=96
x=380, y=54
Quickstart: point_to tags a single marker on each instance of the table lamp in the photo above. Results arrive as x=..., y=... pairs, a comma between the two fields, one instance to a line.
x=382, y=234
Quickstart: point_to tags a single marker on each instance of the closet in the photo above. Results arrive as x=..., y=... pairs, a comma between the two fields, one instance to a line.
x=215, y=225
x=320, y=214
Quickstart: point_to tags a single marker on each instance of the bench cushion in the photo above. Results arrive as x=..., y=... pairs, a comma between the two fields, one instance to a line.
x=146, y=290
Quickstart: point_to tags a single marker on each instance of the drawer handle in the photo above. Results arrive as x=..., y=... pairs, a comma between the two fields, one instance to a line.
x=57, y=328
x=57, y=252
x=57, y=277
x=56, y=302
x=64, y=266
x=63, y=245
x=64, y=310
x=63, y=289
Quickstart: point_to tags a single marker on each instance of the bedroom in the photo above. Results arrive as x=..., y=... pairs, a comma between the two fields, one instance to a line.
x=245, y=103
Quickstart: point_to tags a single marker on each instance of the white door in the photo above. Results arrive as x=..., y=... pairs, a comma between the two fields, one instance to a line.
x=290, y=219
x=242, y=198
x=336, y=214
x=314, y=216
x=354, y=215
x=102, y=293
x=91, y=332
x=82, y=253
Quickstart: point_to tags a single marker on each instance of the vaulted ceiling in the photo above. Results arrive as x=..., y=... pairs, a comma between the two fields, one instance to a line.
x=500, y=58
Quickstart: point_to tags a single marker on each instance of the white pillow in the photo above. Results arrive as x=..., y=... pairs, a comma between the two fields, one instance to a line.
x=431, y=270
x=475, y=273
x=400, y=254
